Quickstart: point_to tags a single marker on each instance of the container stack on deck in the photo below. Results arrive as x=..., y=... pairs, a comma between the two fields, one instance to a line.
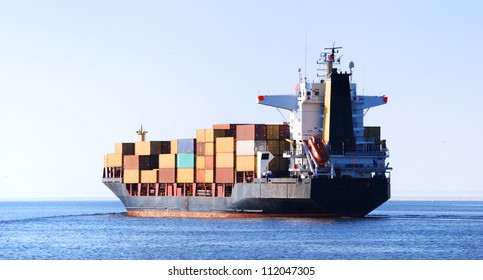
x=214, y=160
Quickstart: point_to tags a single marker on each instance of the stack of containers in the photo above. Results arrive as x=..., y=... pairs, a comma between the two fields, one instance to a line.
x=142, y=167
x=167, y=167
x=277, y=145
x=185, y=161
x=116, y=159
x=125, y=148
x=228, y=130
x=225, y=159
x=200, y=155
x=205, y=154
x=113, y=160
x=250, y=138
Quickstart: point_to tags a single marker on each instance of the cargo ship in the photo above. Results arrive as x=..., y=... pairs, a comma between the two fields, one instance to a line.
x=323, y=162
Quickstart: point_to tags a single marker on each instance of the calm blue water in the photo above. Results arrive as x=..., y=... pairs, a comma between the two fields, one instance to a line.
x=101, y=230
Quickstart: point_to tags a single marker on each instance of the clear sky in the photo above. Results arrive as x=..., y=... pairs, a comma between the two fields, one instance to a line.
x=78, y=76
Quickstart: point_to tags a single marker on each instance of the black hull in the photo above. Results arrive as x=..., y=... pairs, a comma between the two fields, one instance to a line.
x=321, y=197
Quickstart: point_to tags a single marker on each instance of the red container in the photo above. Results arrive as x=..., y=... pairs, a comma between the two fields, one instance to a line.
x=167, y=175
x=131, y=162
x=209, y=162
x=200, y=149
x=251, y=132
x=225, y=175
x=200, y=175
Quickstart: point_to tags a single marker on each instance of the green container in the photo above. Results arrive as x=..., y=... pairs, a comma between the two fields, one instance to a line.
x=185, y=160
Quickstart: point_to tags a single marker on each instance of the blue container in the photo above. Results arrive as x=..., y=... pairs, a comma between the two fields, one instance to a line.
x=186, y=146
x=185, y=160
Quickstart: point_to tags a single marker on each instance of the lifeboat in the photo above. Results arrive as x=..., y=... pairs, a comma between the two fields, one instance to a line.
x=318, y=149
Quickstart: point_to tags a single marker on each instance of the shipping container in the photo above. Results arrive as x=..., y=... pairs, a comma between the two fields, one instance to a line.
x=212, y=134
x=200, y=135
x=142, y=148
x=165, y=147
x=167, y=175
x=148, y=147
x=106, y=164
x=209, y=162
x=125, y=148
x=200, y=149
x=209, y=176
x=273, y=132
x=149, y=162
x=246, y=163
x=167, y=161
x=284, y=131
x=200, y=162
x=225, y=175
x=229, y=129
x=185, y=160
x=251, y=132
x=174, y=146
x=149, y=176
x=205, y=176
x=273, y=146
x=131, y=162
x=250, y=147
x=131, y=176
x=200, y=175
x=185, y=175
x=209, y=149
x=114, y=160
x=225, y=145
x=227, y=126
x=225, y=160
x=186, y=146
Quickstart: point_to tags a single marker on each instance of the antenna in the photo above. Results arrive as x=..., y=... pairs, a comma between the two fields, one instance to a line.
x=305, y=67
x=141, y=132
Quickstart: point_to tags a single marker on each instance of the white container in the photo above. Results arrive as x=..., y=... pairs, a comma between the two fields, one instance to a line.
x=250, y=147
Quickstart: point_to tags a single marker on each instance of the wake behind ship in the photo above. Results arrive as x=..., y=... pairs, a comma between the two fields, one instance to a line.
x=322, y=163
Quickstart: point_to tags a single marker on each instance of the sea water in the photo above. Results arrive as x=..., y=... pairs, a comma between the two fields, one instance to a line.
x=100, y=230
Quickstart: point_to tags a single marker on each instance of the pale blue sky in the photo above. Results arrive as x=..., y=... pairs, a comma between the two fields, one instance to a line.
x=78, y=76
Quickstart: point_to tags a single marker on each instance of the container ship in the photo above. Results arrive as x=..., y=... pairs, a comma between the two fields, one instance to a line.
x=322, y=163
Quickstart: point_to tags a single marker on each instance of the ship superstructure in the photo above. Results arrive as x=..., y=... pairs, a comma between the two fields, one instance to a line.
x=324, y=162
x=329, y=112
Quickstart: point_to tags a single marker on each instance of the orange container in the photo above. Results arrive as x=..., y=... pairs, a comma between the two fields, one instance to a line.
x=246, y=163
x=149, y=176
x=225, y=160
x=131, y=176
x=185, y=175
x=225, y=145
